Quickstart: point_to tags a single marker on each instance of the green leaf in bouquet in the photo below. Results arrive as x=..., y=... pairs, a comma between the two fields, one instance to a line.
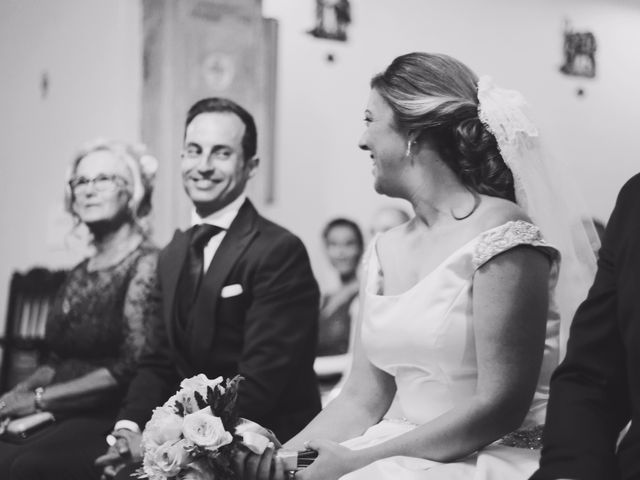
x=232, y=385
x=229, y=413
x=213, y=399
x=179, y=408
x=200, y=401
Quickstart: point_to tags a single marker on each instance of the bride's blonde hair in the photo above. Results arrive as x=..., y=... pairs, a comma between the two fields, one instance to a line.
x=435, y=97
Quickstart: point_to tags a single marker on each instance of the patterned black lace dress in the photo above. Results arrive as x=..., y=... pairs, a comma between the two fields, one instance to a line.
x=99, y=319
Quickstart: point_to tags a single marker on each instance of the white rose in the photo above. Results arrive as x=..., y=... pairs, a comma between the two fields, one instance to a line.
x=199, y=384
x=171, y=402
x=168, y=459
x=205, y=430
x=151, y=471
x=164, y=426
x=188, y=401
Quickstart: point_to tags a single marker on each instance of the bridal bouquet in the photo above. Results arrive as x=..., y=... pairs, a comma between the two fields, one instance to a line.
x=194, y=434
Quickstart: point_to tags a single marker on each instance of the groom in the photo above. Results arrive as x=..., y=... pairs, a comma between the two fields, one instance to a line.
x=595, y=392
x=238, y=294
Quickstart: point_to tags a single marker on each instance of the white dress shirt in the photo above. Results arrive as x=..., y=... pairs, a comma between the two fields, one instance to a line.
x=223, y=219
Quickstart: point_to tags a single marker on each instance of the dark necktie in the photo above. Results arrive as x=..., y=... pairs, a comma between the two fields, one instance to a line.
x=193, y=269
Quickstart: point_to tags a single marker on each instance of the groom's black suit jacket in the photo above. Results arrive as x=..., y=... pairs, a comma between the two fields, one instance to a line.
x=596, y=389
x=267, y=333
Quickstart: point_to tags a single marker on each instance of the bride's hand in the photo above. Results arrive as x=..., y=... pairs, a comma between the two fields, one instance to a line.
x=333, y=461
x=251, y=466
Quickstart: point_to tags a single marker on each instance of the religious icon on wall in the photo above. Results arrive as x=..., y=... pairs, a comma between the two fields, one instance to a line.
x=579, y=53
x=332, y=19
x=218, y=71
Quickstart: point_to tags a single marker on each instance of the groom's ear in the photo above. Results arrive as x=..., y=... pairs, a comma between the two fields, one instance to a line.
x=251, y=164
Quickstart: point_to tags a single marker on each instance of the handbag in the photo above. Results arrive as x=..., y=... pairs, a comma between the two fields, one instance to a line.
x=22, y=428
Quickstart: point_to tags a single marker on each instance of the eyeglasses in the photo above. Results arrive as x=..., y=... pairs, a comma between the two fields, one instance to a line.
x=101, y=183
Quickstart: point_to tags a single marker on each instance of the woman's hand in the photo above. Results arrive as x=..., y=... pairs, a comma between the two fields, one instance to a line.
x=333, y=461
x=16, y=404
x=251, y=466
x=23, y=387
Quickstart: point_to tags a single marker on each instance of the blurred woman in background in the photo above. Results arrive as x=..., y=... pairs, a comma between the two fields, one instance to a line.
x=96, y=328
x=344, y=245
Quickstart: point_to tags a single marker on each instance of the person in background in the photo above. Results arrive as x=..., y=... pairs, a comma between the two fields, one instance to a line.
x=97, y=326
x=595, y=391
x=387, y=218
x=238, y=295
x=344, y=246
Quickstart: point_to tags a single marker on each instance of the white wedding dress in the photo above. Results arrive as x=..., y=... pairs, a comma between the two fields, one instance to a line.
x=424, y=337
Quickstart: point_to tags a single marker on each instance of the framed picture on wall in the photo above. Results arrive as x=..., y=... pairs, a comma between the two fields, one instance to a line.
x=579, y=51
x=332, y=19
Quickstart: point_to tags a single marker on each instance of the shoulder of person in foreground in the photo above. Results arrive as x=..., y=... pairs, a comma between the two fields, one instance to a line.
x=589, y=398
x=630, y=191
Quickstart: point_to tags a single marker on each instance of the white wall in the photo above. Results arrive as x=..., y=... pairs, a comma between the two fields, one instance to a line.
x=91, y=50
x=519, y=43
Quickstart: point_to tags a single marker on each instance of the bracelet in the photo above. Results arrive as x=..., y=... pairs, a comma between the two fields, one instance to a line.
x=37, y=399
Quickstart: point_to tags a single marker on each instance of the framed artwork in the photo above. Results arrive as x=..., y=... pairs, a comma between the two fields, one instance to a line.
x=579, y=53
x=332, y=19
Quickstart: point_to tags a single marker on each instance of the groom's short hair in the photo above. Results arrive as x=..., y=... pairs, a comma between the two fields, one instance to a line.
x=224, y=105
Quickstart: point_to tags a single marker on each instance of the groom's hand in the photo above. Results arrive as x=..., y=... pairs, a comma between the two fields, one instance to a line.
x=125, y=450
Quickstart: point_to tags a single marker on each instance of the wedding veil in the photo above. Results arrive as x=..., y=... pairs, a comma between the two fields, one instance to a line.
x=545, y=190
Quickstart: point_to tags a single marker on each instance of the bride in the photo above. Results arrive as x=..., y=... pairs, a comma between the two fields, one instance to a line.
x=459, y=320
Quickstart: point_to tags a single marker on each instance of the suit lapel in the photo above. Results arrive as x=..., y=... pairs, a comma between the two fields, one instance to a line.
x=240, y=234
x=175, y=255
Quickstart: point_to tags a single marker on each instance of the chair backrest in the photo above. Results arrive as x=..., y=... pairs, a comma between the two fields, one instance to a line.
x=31, y=295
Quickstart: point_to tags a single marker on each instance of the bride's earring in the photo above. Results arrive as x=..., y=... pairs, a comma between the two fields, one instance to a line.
x=408, y=152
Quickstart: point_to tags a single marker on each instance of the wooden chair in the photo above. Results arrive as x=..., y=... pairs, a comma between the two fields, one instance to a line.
x=31, y=295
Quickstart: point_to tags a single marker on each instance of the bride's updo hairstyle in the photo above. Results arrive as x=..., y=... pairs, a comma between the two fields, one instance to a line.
x=435, y=96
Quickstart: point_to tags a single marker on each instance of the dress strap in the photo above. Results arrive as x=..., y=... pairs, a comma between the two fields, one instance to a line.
x=370, y=272
x=507, y=236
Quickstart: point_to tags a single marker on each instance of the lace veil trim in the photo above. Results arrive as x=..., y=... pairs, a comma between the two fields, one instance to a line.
x=545, y=189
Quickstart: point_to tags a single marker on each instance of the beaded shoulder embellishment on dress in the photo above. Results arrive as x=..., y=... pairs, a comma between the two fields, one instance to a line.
x=504, y=237
x=530, y=438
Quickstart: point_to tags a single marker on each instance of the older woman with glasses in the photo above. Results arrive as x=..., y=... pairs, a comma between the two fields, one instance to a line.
x=96, y=328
